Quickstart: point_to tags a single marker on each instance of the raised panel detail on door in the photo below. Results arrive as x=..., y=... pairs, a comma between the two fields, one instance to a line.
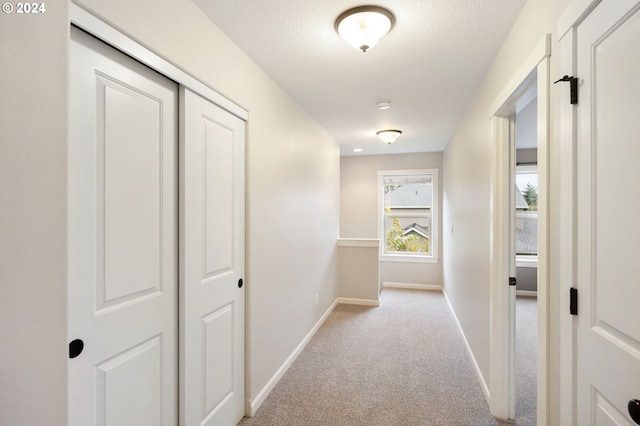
x=219, y=186
x=605, y=413
x=212, y=260
x=608, y=229
x=122, y=239
x=617, y=234
x=123, y=401
x=128, y=207
x=219, y=357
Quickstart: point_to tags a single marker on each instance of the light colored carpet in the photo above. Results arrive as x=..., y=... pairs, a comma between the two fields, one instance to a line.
x=403, y=363
x=526, y=364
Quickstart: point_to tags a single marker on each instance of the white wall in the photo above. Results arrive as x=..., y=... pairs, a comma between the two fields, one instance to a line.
x=359, y=208
x=526, y=126
x=292, y=196
x=466, y=165
x=33, y=134
x=359, y=270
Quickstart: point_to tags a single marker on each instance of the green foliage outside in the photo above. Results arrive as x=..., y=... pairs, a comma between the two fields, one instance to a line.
x=530, y=194
x=396, y=241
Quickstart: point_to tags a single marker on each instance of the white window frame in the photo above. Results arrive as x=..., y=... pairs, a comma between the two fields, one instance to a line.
x=527, y=260
x=434, y=239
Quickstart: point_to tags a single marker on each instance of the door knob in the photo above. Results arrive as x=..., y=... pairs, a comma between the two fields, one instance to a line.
x=240, y=283
x=634, y=410
x=75, y=348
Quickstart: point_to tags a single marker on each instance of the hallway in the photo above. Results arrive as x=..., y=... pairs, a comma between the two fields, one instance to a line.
x=403, y=363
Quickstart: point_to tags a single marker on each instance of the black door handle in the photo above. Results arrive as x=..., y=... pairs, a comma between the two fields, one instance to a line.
x=634, y=410
x=75, y=348
x=240, y=283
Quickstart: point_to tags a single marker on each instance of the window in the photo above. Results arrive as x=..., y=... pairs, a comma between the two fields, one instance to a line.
x=526, y=221
x=408, y=215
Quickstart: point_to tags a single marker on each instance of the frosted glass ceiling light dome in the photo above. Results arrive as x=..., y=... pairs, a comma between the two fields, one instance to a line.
x=389, y=136
x=363, y=26
x=383, y=105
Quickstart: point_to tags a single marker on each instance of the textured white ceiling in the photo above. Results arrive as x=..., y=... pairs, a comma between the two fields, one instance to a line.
x=428, y=66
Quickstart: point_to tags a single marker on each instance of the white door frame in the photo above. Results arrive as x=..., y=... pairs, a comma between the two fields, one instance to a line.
x=108, y=34
x=572, y=16
x=501, y=396
x=103, y=31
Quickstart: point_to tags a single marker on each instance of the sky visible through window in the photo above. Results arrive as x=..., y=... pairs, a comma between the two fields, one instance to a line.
x=522, y=178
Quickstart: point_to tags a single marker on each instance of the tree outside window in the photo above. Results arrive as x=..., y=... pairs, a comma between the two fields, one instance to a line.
x=530, y=194
x=526, y=217
x=407, y=213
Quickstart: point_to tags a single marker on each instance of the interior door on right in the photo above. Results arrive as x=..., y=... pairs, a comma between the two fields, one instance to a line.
x=608, y=213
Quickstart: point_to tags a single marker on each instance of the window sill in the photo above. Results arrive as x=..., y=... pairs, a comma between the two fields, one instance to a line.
x=407, y=258
x=358, y=242
x=527, y=261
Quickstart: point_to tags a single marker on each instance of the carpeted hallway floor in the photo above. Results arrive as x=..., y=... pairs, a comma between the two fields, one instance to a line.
x=403, y=363
x=526, y=364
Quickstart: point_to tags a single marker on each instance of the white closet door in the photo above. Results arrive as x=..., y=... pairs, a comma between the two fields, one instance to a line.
x=212, y=264
x=122, y=239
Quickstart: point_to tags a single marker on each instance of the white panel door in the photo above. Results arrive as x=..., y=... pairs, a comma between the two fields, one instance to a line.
x=122, y=239
x=212, y=264
x=608, y=213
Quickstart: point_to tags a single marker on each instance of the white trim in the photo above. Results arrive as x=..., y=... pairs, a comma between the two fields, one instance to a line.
x=352, y=301
x=527, y=168
x=428, y=287
x=407, y=258
x=568, y=122
x=539, y=53
x=252, y=405
x=476, y=367
x=573, y=14
x=406, y=172
x=526, y=293
x=543, y=275
x=536, y=66
x=500, y=335
x=526, y=261
x=434, y=212
x=93, y=25
x=358, y=242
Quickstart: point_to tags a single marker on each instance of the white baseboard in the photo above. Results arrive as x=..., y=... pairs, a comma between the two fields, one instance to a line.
x=476, y=367
x=351, y=301
x=526, y=293
x=252, y=405
x=412, y=286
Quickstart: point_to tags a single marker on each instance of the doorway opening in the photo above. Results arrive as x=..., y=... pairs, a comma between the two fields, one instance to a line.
x=525, y=235
x=512, y=239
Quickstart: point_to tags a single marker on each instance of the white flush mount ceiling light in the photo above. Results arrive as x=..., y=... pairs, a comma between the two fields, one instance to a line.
x=363, y=26
x=383, y=105
x=389, y=136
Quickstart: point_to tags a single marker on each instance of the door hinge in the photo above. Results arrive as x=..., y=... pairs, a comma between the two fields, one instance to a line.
x=573, y=301
x=512, y=280
x=573, y=87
